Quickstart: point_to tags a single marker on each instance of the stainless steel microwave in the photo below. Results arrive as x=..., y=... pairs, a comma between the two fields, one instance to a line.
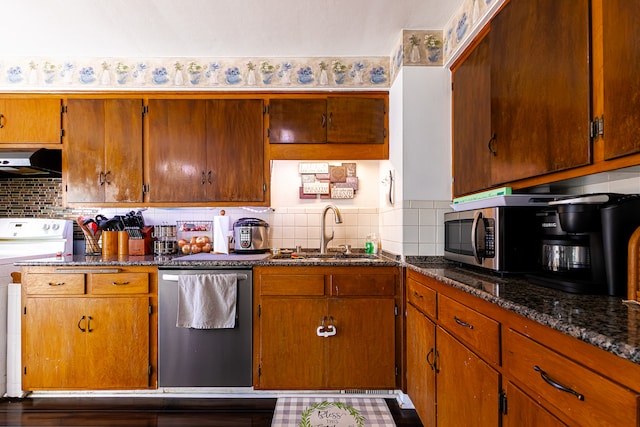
x=502, y=239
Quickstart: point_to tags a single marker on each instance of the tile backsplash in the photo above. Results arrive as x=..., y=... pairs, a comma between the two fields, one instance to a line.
x=289, y=227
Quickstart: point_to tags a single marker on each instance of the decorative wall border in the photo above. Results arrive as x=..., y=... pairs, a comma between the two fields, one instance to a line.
x=193, y=73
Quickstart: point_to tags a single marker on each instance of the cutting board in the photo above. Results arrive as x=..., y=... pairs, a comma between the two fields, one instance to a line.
x=633, y=267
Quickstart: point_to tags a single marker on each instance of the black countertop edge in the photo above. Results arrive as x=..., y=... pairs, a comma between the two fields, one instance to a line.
x=605, y=322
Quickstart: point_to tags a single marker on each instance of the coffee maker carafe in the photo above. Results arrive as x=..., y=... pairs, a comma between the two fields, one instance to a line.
x=584, y=240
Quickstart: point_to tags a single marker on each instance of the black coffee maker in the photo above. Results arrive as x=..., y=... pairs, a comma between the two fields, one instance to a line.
x=584, y=242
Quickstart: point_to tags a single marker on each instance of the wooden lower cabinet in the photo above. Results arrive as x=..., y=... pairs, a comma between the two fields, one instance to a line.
x=467, y=388
x=325, y=327
x=448, y=382
x=421, y=373
x=472, y=363
x=524, y=411
x=87, y=329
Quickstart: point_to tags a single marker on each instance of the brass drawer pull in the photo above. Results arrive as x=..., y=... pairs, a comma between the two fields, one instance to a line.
x=417, y=295
x=554, y=384
x=57, y=283
x=462, y=323
x=119, y=284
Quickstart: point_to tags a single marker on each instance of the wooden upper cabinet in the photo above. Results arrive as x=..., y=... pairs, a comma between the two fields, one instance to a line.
x=176, y=156
x=472, y=123
x=235, y=151
x=540, y=86
x=103, y=151
x=356, y=120
x=301, y=121
x=621, y=58
x=327, y=127
x=30, y=120
x=203, y=151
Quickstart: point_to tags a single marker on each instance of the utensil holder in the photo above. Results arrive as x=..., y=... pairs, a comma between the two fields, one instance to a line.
x=109, y=243
x=91, y=247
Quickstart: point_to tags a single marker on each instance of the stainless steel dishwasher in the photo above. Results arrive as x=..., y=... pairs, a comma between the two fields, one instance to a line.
x=204, y=357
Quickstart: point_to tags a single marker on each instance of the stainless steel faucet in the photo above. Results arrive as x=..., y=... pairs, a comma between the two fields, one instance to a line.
x=324, y=238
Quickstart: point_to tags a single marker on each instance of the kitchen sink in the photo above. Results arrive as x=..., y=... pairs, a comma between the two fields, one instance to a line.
x=330, y=257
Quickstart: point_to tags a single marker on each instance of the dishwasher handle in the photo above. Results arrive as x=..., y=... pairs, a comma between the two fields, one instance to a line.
x=174, y=277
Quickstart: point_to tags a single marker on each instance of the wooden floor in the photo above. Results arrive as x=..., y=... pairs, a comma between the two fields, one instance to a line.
x=152, y=411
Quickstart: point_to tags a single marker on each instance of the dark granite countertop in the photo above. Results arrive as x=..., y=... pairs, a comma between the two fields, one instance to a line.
x=605, y=322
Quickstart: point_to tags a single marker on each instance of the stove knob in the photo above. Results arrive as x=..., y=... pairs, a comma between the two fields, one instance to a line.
x=46, y=226
x=55, y=226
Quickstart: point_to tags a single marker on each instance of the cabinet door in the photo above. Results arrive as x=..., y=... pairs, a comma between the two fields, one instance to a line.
x=176, y=156
x=117, y=343
x=540, y=86
x=53, y=343
x=621, y=58
x=298, y=121
x=464, y=377
x=472, y=121
x=362, y=352
x=525, y=412
x=30, y=120
x=291, y=353
x=103, y=150
x=420, y=373
x=235, y=150
x=356, y=120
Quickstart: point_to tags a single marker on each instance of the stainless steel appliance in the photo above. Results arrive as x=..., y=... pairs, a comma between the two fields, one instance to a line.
x=204, y=357
x=31, y=163
x=22, y=239
x=496, y=238
x=250, y=235
x=584, y=242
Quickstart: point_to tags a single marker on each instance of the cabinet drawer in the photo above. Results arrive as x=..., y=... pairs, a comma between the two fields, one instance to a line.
x=292, y=284
x=55, y=284
x=363, y=284
x=119, y=283
x=589, y=399
x=422, y=297
x=476, y=330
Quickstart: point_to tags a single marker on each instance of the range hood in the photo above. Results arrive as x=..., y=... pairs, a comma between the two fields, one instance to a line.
x=38, y=163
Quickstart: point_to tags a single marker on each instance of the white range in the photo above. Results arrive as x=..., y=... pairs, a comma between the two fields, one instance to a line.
x=22, y=239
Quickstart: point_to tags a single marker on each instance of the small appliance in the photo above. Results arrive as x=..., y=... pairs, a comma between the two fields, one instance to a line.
x=500, y=239
x=250, y=235
x=584, y=242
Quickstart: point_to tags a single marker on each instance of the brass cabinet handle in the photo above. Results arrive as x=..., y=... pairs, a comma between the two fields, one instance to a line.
x=80, y=321
x=209, y=177
x=462, y=323
x=89, y=324
x=57, y=283
x=557, y=385
x=101, y=177
x=324, y=120
x=416, y=294
x=120, y=283
x=106, y=177
x=1, y=121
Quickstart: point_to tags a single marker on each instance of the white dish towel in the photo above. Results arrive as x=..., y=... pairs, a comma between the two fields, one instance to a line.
x=207, y=301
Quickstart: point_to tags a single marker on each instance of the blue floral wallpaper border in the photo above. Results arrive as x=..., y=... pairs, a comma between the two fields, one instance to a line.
x=413, y=48
x=194, y=73
x=464, y=22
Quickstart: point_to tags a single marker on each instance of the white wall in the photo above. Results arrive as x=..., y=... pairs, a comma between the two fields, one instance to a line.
x=420, y=158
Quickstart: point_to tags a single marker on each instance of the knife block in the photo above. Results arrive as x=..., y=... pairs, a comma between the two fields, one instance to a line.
x=142, y=246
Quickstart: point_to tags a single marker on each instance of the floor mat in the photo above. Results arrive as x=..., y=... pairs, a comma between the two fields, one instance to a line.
x=331, y=411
